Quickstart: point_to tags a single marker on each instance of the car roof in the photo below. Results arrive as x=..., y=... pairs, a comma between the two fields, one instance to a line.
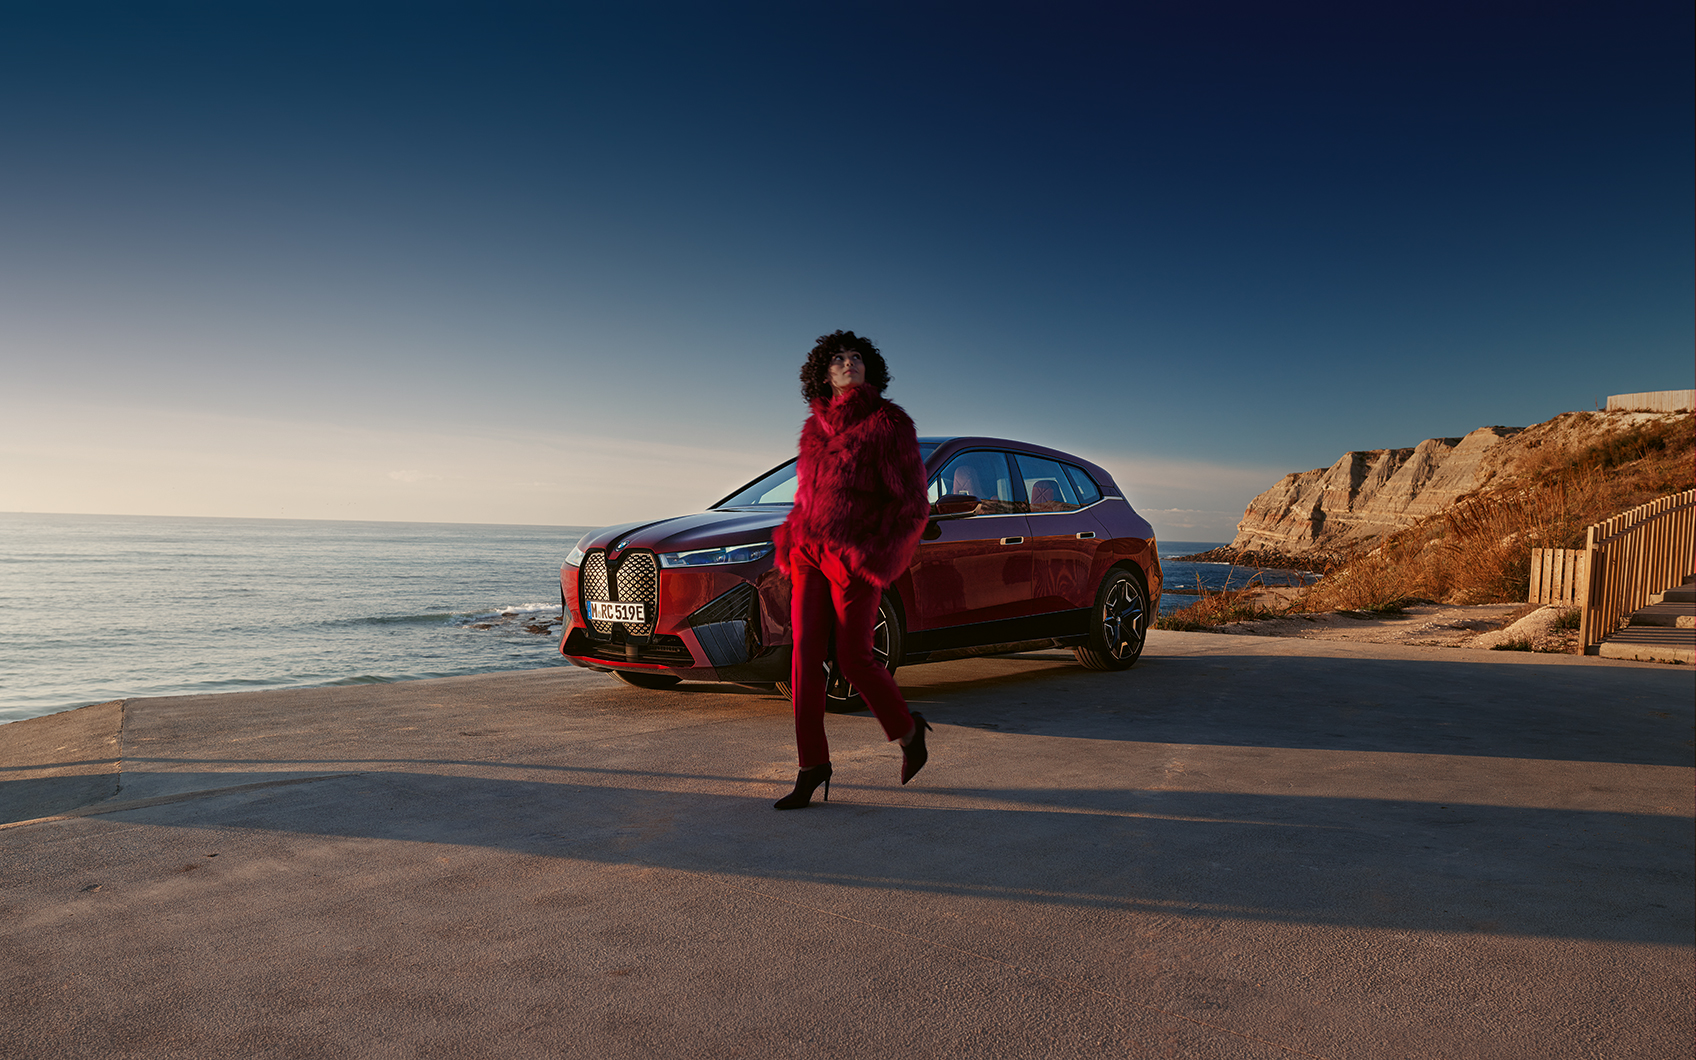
x=948, y=445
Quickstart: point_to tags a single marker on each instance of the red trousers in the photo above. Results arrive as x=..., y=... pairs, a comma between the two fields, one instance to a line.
x=826, y=597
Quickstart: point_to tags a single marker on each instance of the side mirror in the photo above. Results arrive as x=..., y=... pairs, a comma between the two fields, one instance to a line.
x=954, y=504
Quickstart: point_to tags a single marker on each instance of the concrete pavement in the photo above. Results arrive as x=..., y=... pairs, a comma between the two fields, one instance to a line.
x=1244, y=847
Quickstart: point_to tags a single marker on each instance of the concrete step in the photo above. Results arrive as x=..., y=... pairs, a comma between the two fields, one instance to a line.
x=1678, y=594
x=1651, y=644
x=1663, y=631
x=1675, y=615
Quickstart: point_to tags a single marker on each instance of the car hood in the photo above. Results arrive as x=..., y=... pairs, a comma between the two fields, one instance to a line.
x=704, y=530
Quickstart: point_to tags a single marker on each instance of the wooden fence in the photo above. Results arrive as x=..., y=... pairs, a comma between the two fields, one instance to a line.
x=1557, y=576
x=1633, y=556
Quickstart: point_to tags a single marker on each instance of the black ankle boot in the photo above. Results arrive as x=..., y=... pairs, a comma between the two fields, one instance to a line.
x=806, y=782
x=914, y=756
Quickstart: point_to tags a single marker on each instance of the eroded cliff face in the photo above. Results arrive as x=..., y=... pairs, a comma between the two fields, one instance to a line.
x=1371, y=493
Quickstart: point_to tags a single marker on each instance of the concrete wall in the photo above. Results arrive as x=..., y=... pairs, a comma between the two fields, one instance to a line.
x=1655, y=401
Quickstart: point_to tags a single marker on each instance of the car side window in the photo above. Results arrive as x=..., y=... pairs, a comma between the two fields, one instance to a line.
x=981, y=473
x=1088, y=491
x=1047, y=485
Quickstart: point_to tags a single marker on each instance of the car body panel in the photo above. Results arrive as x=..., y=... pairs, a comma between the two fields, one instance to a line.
x=992, y=581
x=1063, y=547
x=709, y=529
x=971, y=573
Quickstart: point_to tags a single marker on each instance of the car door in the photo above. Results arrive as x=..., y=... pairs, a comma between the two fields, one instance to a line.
x=974, y=568
x=1063, y=536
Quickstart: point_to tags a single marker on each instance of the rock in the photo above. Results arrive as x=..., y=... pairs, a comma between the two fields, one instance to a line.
x=1536, y=630
x=1266, y=559
x=1327, y=513
x=1367, y=494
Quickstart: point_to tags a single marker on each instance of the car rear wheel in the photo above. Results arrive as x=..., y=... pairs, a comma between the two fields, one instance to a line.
x=646, y=680
x=1119, y=625
x=840, y=697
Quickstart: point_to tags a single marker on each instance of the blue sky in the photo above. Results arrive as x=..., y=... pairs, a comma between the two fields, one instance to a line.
x=558, y=263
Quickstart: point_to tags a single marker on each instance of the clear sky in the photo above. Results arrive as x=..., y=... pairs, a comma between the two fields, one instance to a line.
x=559, y=263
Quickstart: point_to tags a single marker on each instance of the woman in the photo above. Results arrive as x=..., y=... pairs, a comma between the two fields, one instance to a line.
x=860, y=507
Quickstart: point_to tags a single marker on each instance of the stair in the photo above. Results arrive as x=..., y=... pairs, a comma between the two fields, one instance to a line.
x=1662, y=631
x=1684, y=594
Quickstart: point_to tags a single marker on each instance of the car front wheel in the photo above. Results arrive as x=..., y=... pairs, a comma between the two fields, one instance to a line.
x=1119, y=624
x=840, y=697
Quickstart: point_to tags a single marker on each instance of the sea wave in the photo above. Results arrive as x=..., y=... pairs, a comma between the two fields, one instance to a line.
x=433, y=617
x=532, y=618
x=363, y=679
x=508, y=613
x=195, y=606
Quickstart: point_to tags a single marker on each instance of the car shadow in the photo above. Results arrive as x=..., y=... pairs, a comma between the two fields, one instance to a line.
x=1447, y=704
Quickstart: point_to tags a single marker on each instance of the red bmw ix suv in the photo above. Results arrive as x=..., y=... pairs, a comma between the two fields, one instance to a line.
x=1026, y=548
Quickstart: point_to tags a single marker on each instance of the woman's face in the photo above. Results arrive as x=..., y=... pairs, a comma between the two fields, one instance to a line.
x=847, y=370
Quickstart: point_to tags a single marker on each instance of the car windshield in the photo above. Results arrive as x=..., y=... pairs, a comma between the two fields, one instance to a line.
x=774, y=488
x=777, y=487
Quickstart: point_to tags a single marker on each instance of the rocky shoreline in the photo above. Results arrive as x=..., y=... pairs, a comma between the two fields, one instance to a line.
x=1265, y=559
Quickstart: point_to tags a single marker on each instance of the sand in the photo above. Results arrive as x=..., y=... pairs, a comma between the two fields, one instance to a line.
x=1478, y=626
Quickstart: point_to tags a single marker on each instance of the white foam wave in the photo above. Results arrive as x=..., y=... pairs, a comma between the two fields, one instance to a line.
x=513, y=614
x=528, y=609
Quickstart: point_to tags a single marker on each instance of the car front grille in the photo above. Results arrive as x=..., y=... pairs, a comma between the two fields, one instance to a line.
x=635, y=578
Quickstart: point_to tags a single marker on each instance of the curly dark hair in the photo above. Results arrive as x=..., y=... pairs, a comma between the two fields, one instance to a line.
x=815, y=374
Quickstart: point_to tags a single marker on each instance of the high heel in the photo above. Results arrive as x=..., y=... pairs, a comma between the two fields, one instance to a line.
x=806, y=782
x=913, y=755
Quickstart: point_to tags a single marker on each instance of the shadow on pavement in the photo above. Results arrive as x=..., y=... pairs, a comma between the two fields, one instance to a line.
x=32, y=797
x=1441, y=705
x=1381, y=864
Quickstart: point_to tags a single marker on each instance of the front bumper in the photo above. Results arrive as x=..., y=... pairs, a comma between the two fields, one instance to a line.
x=710, y=625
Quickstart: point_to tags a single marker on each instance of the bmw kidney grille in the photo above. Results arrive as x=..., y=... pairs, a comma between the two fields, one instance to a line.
x=635, y=578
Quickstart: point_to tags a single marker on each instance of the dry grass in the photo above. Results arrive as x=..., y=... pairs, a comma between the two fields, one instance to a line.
x=1217, y=608
x=1479, y=551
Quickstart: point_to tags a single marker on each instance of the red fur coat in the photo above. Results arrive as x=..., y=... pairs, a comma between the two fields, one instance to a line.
x=861, y=488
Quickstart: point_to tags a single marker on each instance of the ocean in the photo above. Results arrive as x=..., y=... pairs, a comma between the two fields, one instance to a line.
x=100, y=607
x=1185, y=580
x=97, y=607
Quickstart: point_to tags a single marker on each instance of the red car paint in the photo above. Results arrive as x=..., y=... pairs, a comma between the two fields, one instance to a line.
x=1024, y=569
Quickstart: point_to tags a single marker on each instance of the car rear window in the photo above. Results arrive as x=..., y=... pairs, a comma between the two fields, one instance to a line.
x=1047, y=487
x=1088, y=491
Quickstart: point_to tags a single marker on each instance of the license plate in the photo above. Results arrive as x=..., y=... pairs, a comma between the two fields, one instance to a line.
x=610, y=611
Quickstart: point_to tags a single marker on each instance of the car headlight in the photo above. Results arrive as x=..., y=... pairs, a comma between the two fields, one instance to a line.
x=706, y=556
x=575, y=557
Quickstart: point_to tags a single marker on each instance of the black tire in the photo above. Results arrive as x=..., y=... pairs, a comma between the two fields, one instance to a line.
x=840, y=697
x=1119, y=625
x=642, y=679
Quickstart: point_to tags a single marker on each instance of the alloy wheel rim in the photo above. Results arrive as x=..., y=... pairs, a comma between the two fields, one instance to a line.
x=836, y=686
x=1122, y=620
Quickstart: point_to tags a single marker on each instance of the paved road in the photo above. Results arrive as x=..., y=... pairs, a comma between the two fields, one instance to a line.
x=1245, y=847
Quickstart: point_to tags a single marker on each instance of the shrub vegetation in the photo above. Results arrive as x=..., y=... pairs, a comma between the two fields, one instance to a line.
x=1217, y=608
x=1479, y=550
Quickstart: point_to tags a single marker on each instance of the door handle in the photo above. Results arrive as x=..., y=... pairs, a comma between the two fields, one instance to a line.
x=1012, y=541
x=1086, y=535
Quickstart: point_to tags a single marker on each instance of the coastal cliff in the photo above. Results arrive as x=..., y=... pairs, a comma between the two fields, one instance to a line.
x=1330, y=512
